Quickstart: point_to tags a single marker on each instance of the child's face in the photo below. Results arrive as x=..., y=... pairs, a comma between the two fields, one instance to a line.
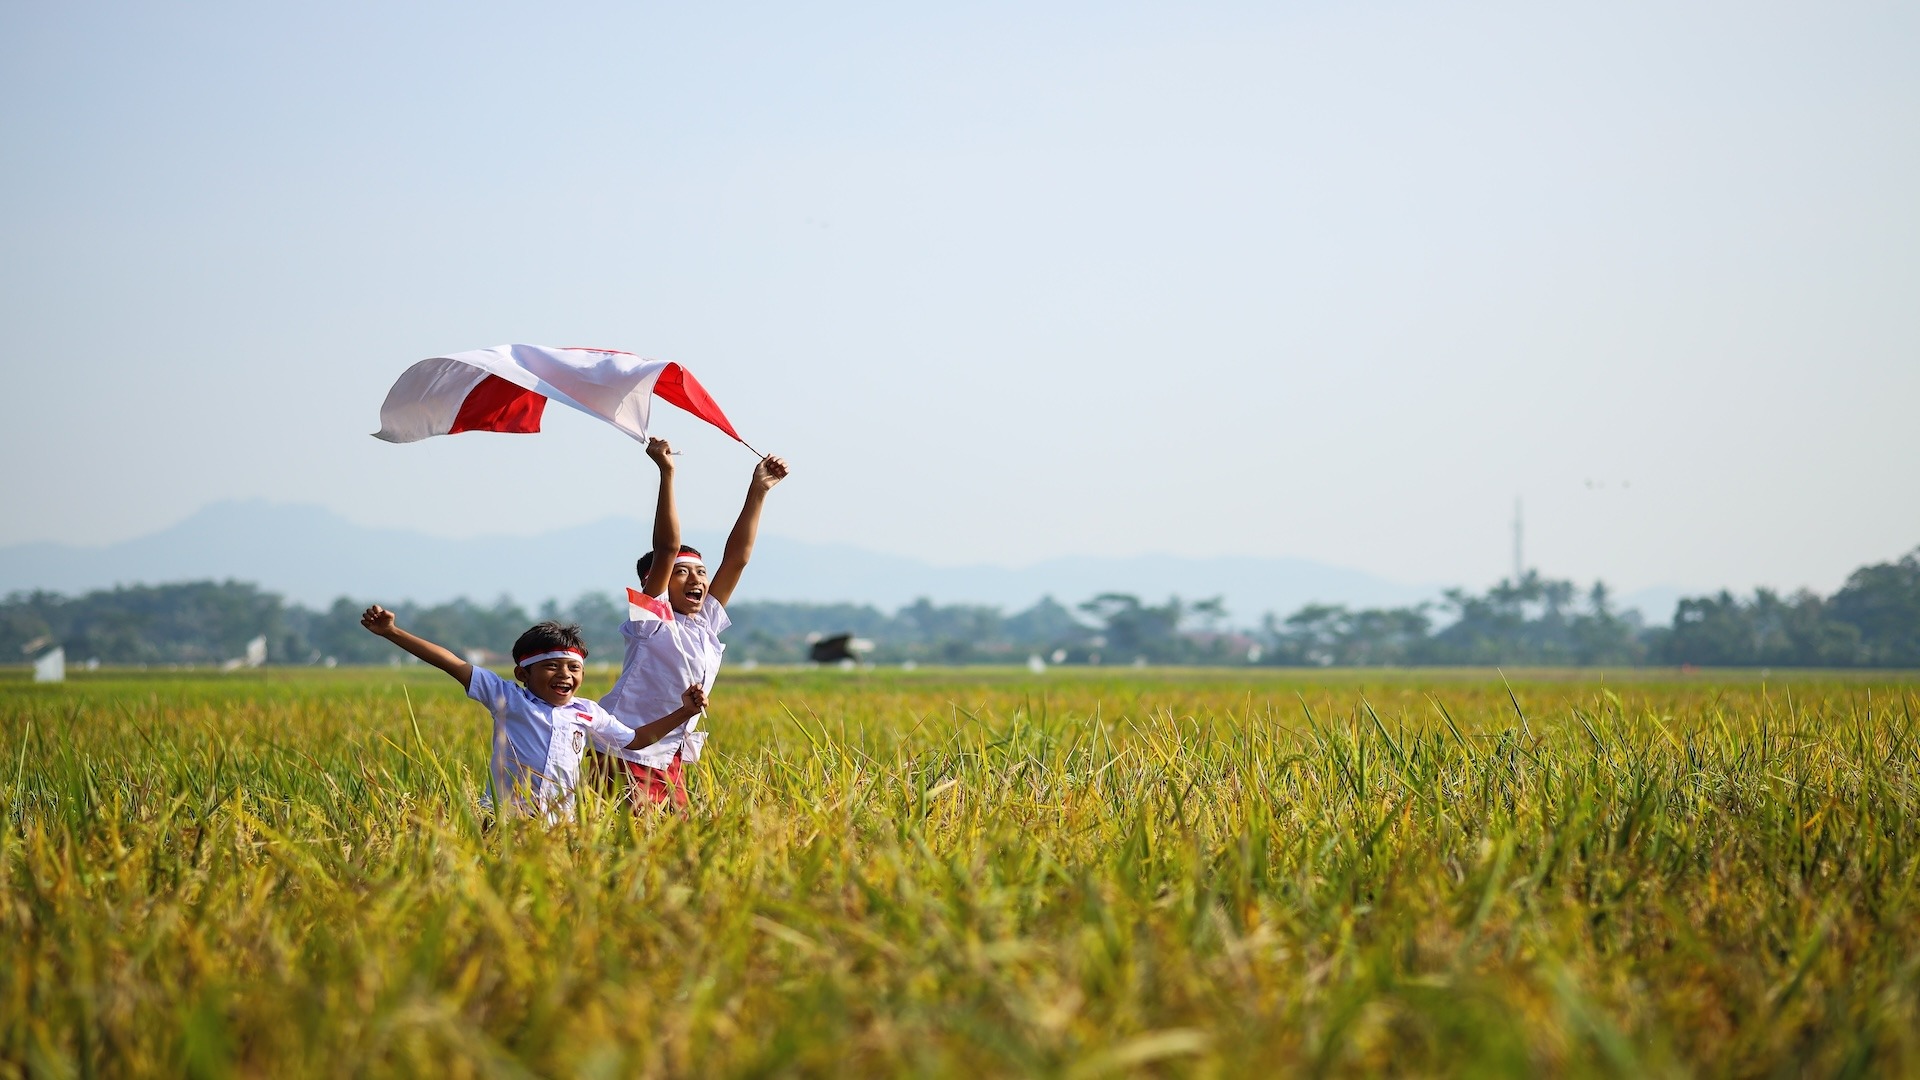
x=687, y=588
x=552, y=681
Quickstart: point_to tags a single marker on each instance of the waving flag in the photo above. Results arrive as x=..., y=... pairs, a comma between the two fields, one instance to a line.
x=506, y=388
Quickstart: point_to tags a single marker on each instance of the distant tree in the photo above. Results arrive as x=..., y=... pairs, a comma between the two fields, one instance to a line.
x=1392, y=637
x=1530, y=621
x=1329, y=634
x=1210, y=614
x=1494, y=629
x=1046, y=625
x=199, y=622
x=25, y=627
x=1711, y=631
x=1768, y=631
x=959, y=629
x=599, y=617
x=1310, y=637
x=1882, y=604
x=464, y=626
x=778, y=633
x=336, y=633
x=1874, y=619
x=1135, y=630
x=1603, y=637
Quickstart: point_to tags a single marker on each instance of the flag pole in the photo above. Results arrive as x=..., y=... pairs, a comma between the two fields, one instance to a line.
x=742, y=442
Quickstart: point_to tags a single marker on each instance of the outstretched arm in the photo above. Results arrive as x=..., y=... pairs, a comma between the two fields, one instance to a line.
x=692, y=704
x=380, y=621
x=666, y=522
x=733, y=561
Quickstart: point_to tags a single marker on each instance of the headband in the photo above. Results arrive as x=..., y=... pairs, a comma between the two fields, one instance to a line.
x=689, y=558
x=557, y=654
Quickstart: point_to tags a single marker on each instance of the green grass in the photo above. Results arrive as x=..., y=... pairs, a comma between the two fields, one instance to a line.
x=961, y=873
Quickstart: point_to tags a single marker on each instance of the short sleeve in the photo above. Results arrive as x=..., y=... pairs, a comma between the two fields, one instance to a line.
x=715, y=615
x=648, y=615
x=488, y=689
x=640, y=629
x=607, y=732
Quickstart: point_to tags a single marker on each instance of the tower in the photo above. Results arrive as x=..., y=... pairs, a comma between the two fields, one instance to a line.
x=1519, y=560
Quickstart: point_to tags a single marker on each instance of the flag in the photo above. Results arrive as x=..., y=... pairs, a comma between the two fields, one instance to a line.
x=507, y=387
x=643, y=608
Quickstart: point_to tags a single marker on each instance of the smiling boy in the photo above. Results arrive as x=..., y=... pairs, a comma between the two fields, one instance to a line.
x=673, y=632
x=540, y=729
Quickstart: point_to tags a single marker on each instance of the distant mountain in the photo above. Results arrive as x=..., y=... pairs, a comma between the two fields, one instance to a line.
x=312, y=555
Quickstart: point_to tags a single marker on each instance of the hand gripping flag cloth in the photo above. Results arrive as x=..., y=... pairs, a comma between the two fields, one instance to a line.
x=506, y=388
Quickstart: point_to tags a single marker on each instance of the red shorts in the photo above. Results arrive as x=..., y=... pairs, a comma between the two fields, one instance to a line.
x=648, y=784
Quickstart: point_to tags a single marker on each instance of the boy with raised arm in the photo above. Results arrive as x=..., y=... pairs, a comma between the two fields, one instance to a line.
x=673, y=630
x=539, y=728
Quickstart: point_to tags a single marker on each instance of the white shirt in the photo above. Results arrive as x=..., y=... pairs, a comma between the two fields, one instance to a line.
x=537, y=746
x=666, y=653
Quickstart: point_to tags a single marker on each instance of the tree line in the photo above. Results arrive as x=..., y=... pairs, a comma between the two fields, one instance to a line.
x=1871, y=621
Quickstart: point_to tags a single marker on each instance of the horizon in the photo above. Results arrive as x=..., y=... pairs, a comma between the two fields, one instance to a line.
x=1653, y=602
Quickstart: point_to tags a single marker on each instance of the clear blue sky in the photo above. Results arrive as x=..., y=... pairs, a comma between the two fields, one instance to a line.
x=1004, y=281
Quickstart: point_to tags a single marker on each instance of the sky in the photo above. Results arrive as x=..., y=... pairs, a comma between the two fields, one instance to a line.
x=1004, y=282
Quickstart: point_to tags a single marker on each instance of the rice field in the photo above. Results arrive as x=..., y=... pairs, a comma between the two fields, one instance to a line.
x=976, y=873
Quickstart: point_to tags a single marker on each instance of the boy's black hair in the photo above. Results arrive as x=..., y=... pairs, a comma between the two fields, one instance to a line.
x=546, y=637
x=646, y=561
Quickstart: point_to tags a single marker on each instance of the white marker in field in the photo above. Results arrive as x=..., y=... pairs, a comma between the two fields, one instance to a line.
x=1036, y=665
x=51, y=667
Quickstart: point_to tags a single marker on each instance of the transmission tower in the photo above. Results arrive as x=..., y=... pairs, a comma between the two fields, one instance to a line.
x=1519, y=559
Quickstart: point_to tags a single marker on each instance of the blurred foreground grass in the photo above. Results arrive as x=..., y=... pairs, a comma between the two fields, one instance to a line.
x=965, y=873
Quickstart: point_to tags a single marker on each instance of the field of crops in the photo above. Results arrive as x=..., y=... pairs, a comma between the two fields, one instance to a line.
x=960, y=873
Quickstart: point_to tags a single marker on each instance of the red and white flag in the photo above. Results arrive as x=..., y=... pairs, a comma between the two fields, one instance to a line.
x=506, y=388
x=642, y=608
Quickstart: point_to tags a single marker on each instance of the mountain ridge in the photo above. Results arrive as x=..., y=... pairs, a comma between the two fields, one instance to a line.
x=312, y=556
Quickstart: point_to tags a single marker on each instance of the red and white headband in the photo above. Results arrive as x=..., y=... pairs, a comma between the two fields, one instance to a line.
x=557, y=654
x=688, y=557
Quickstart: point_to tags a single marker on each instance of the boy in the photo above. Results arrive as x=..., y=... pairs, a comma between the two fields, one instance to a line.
x=673, y=634
x=539, y=727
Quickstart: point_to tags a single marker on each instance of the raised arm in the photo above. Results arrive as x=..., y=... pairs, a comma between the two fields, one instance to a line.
x=733, y=561
x=666, y=522
x=380, y=621
x=692, y=704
